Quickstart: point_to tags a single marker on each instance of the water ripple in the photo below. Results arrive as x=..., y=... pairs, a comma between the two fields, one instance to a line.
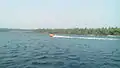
x=31, y=50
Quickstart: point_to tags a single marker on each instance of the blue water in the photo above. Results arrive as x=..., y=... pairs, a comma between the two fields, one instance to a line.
x=34, y=50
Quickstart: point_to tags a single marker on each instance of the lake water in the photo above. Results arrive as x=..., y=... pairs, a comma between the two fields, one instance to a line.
x=34, y=50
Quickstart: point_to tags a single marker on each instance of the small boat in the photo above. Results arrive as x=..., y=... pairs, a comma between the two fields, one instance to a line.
x=51, y=35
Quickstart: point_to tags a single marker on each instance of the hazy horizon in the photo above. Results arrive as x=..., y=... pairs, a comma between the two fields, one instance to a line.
x=31, y=14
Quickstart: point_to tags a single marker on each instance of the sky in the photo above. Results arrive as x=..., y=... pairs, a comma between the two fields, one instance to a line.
x=31, y=14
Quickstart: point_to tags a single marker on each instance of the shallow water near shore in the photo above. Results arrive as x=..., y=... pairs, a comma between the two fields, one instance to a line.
x=34, y=50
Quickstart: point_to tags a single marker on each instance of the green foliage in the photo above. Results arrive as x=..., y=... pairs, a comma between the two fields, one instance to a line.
x=83, y=31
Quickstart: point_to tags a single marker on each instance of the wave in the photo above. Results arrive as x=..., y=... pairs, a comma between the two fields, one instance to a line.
x=96, y=38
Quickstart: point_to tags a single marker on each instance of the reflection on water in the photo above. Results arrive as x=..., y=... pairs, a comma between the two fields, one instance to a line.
x=32, y=50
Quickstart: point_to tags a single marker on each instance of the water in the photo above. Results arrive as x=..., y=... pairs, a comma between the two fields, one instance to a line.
x=34, y=50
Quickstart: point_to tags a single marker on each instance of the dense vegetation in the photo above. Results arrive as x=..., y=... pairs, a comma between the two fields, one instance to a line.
x=78, y=31
x=83, y=31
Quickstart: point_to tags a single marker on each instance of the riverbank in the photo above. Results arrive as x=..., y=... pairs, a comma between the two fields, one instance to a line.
x=73, y=31
x=83, y=31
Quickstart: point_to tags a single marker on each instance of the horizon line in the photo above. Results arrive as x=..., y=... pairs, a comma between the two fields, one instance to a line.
x=61, y=28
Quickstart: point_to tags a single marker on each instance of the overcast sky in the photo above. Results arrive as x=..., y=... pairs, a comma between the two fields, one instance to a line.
x=59, y=13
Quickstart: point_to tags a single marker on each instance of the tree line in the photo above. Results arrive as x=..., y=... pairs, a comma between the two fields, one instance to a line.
x=77, y=31
x=83, y=31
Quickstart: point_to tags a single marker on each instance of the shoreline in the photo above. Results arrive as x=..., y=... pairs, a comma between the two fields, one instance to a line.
x=109, y=32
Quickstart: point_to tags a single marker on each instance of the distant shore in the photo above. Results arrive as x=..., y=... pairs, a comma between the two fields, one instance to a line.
x=84, y=31
x=73, y=31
